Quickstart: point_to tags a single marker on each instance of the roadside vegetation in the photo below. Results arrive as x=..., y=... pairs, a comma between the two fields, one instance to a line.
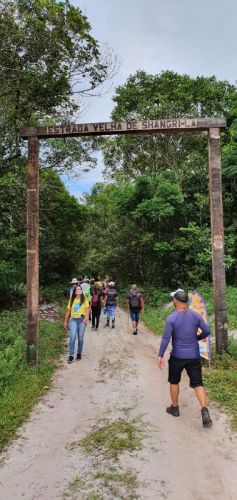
x=159, y=305
x=221, y=380
x=21, y=384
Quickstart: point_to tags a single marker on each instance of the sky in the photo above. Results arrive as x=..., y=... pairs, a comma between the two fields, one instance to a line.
x=196, y=37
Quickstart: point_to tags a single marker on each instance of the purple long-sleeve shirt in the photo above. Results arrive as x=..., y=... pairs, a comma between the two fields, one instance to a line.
x=182, y=326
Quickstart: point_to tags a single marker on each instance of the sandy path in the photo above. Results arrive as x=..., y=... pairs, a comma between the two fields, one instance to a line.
x=118, y=378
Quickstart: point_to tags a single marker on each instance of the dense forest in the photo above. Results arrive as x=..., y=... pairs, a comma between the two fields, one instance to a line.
x=149, y=221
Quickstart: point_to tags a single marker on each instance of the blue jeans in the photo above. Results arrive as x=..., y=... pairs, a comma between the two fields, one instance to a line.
x=111, y=311
x=77, y=328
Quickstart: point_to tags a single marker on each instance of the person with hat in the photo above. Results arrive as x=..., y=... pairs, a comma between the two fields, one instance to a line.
x=76, y=319
x=73, y=283
x=85, y=284
x=182, y=326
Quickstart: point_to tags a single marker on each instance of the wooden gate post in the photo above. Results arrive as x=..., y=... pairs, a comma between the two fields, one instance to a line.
x=217, y=232
x=32, y=248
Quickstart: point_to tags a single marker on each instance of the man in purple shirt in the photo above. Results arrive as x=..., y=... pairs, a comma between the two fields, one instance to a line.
x=182, y=326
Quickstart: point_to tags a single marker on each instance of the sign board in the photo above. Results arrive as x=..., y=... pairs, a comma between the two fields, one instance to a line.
x=130, y=126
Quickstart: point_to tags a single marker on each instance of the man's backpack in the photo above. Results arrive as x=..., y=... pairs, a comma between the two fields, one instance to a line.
x=134, y=301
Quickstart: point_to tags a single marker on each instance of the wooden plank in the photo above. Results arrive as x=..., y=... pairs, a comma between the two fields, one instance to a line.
x=123, y=127
x=217, y=232
x=32, y=249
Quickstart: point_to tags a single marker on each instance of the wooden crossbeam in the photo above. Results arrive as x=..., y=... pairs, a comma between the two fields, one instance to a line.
x=123, y=127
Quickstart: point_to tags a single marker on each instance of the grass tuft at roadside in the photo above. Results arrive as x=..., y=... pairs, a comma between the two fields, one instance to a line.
x=221, y=380
x=21, y=385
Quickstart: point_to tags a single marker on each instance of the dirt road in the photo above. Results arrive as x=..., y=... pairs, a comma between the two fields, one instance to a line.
x=115, y=398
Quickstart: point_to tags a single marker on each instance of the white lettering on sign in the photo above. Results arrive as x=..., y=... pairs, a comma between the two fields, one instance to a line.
x=113, y=127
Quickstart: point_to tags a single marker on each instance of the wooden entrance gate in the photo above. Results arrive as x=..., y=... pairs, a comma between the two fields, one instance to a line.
x=212, y=126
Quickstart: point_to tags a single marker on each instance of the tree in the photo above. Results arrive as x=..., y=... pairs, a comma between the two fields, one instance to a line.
x=62, y=220
x=164, y=95
x=48, y=57
x=48, y=60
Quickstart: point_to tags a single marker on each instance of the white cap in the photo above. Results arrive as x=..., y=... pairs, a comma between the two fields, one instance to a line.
x=74, y=281
x=111, y=283
x=178, y=290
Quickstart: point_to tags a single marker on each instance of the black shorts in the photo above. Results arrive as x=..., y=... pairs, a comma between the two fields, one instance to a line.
x=192, y=366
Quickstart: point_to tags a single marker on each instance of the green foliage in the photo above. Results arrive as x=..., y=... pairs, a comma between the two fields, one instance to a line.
x=46, y=49
x=221, y=380
x=154, y=232
x=165, y=95
x=20, y=384
x=61, y=220
x=158, y=305
x=48, y=59
x=157, y=222
x=229, y=158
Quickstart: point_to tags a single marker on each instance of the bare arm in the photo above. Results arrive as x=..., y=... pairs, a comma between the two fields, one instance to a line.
x=87, y=311
x=67, y=316
x=164, y=343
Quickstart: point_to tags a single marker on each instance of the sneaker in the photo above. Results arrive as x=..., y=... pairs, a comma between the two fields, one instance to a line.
x=206, y=419
x=107, y=324
x=113, y=323
x=173, y=410
x=79, y=355
x=70, y=359
x=134, y=332
x=93, y=328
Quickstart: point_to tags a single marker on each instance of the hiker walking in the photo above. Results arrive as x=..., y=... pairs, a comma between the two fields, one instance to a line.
x=76, y=318
x=85, y=284
x=72, y=285
x=182, y=325
x=135, y=303
x=111, y=302
x=96, y=300
x=86, y=288
x=103, y=291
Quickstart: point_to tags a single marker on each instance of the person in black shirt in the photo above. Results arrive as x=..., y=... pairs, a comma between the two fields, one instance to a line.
x=111, y=302
x=135, y=303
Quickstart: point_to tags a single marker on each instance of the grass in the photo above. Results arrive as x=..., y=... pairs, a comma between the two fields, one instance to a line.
x=221, y=380
x=155, y=318
x=120, y=484
x=21, y=385
x=113, y=438
x=128, y=478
